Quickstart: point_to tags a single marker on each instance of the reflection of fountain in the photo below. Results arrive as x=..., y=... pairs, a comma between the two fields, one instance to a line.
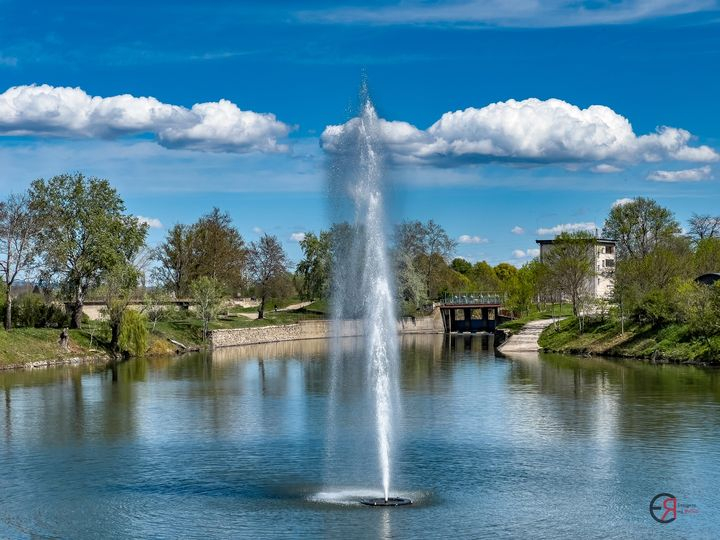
x=363, y=286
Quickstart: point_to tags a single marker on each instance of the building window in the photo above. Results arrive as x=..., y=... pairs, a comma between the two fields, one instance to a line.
x=609, y=250
x=609, y=263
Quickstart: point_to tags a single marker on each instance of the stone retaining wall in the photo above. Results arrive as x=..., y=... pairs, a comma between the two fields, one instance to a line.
x=311, y=330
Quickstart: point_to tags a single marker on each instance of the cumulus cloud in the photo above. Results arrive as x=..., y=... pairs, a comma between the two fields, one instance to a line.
x=623, y=201
x=297, y=236
x=153, y=223
x=524, y=253
x=528, y=131
x=468, y=239
x=220, y=126
x=568, y=227
x=605, y=168
x=517, y=229
x=685, y=175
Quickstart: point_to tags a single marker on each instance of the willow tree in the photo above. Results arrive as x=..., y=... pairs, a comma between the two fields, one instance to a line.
x=84, y=232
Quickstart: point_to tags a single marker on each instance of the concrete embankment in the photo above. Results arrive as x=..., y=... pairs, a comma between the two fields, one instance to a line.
x=526, y=340
x=313, y=330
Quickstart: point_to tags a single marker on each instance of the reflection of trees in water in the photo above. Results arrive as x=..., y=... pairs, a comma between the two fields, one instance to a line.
x=630, y=397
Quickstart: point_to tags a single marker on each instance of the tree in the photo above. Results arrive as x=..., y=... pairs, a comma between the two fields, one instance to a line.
x=461, y=265
x=639, y=226
x=570, y=265
x=208, y=295
x=314, y=269
x=84, y=232
x=484, y=278
x=505, y=272
x=219, y=250
x=704, y=226
x=430, y=247
x=410, y=284
x=267, y=264
x=18, y=230
x=133, y=333
x=178, y=266
x=707, y=255
x=212, y=247
x=119, y=284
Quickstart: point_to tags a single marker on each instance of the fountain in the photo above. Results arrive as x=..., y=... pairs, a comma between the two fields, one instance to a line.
x=363, y=284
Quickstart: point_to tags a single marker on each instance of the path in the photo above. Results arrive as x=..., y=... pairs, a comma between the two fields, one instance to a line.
x=254, y=315
x=526, y=340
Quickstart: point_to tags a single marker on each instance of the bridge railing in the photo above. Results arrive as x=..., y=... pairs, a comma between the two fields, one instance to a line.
x=474, y=298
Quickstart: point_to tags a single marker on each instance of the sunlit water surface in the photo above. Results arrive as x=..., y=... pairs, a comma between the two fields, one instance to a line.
x=245, y=443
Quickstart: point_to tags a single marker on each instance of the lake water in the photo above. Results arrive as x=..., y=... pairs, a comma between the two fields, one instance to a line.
x=258, y=442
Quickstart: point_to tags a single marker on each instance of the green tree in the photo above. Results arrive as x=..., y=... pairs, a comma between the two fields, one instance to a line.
x=119, y=284
x=84, y=232
x=570, y=265
x=133, y=337
x=267, y=266
x=461, y=265
x=219, y=250
x=707, y=255
x=208, y=295
x=315, y=267
x=18, y=231
x=640, y=226
x=178, y=265
x=484, y=278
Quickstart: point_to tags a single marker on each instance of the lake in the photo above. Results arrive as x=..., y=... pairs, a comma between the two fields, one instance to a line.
x=274, y=441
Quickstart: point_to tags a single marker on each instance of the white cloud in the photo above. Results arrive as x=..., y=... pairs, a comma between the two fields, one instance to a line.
x=686, y=175
x=567, y=227
x=503, y=13
x=8, y=60
x=467, y=239
x=70, y=112
x=297, y=236
x=528, y=131
x=605, y=168
x=623, y=201
x=517, y=229
x=522, y=254
x=257, y=230
x=153, y=223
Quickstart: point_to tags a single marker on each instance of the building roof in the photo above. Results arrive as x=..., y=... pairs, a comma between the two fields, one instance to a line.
x=597, y=241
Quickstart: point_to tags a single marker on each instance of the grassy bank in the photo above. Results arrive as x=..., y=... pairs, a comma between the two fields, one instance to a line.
x=536, y=314
x=27, y=345
x=671, y=343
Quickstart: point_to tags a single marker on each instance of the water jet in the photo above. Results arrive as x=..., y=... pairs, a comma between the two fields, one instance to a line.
x=382, y=501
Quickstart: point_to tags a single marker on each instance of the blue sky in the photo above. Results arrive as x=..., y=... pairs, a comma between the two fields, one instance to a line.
x=288, y=70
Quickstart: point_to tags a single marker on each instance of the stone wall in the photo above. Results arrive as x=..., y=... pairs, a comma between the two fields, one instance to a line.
x=311, y=330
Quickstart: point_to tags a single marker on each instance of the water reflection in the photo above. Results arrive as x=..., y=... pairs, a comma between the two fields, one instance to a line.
x=234, y=441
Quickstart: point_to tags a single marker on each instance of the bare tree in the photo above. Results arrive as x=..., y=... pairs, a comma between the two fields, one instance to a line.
x=18, y=227
x=267, y=265
x=704, y=226
x=570, y=266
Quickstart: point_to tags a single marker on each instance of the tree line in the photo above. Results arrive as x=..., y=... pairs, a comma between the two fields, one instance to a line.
x=72, y=237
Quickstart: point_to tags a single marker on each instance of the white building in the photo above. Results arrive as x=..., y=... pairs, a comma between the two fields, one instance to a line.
x=604, y=263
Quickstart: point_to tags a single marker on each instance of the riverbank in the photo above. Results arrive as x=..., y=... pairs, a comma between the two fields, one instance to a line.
x=669, y=344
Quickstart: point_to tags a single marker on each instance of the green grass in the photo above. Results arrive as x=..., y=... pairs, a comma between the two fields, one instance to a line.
x=22, y=345
x=670, y=343
x=535, y=314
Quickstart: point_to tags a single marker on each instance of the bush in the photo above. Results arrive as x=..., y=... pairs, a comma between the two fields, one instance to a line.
x=133, y=336
x=31, y=310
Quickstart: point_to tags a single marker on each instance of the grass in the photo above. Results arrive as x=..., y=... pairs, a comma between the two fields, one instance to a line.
x=23, y=345
x=670, y=343
x=535, y=314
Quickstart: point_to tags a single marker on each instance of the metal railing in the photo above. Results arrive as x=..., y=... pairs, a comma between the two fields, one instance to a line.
x=474, y=298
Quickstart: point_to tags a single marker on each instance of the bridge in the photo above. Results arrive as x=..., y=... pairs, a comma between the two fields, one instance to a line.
x=472, y=312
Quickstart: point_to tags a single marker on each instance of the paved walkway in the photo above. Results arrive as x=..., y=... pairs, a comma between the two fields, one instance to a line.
x=254, y=315
x=526, y=340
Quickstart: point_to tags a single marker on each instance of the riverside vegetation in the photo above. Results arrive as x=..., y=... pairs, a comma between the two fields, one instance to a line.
x=69, y=240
